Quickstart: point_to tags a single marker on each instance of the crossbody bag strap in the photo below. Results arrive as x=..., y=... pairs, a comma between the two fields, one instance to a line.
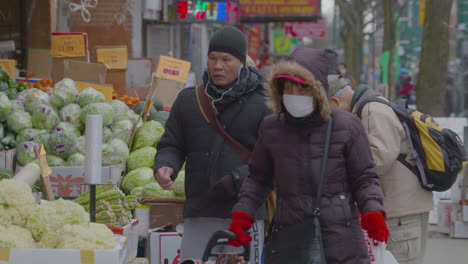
x=323, y=167
x=210, y=114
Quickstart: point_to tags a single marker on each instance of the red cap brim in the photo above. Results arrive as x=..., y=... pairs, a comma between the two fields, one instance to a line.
x=293, y=78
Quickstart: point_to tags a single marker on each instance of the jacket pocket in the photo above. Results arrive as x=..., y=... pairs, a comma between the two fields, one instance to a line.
x=337, y=210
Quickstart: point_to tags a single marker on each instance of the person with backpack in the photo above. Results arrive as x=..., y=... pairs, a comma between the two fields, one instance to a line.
x=406, y=202
x=320, y=164
x=229, y=103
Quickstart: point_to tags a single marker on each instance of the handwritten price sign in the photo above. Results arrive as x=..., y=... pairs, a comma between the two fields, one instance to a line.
x=173, y=69
x=68, y=45
x=115, y=58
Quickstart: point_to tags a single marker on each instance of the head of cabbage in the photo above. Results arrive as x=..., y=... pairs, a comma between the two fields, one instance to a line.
x=148, y=135
x=98, y=109
x=120, y=110
x=71, y=113
x=143, y=157
x=179, y=184
x=64, y=93
x=55, y=161
x=136, y=178
x=154, y=190
x=18, y=105
x=122, y=130
x=114, y=152
x=26, y=152
x=62, y=142
x=76, y=159
x=34, y=99
x=5, y=106
x=89, y=96
x=19, y=121
x=39, y=136
x=45, y=117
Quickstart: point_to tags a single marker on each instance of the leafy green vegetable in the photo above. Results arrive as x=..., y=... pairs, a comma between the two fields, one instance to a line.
x=114, y=152
x=19, y=121
x=148, y=135
x=55, y=161
x=5, y=106
x=98, y=109
x=45, y=117
x=143, y=157
x=136, y=178
x=153, y=190
x=89, y=96
x=64, y=93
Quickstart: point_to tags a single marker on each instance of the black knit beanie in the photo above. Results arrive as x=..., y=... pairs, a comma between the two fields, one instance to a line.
x=229, y=39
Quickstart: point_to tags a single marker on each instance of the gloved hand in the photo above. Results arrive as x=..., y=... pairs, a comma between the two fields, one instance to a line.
x=241, y=222
x=374, y=224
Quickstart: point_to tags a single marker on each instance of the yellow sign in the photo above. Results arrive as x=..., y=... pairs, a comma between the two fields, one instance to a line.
x=173, y=69
x=67, y=45
x=4, y=254
x=106, y=89
x=422, y=12
x=9, y=66
x=87, y=256
x=115, y=58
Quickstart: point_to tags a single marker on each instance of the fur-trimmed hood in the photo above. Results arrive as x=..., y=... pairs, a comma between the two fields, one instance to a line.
x=311, y=65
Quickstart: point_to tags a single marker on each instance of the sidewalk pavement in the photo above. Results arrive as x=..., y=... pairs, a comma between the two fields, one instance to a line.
x=441, y=249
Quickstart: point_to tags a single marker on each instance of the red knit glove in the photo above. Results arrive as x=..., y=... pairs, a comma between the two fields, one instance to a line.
x=241, y=222
x=374, y=224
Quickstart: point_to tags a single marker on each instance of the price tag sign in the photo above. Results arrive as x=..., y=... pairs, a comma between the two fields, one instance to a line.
x=45, y=170
x=9, y=66
x=115, y=58
x=68, y=45
x=173, y=69
x=106, y=89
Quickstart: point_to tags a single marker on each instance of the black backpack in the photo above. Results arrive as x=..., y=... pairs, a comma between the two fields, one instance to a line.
x=438, y=152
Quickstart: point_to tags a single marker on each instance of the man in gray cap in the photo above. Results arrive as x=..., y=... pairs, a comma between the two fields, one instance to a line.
x=214, y=170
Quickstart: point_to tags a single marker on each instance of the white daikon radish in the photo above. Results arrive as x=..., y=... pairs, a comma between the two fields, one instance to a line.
x=29, y=174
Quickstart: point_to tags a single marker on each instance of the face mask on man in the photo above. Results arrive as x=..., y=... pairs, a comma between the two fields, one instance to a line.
x=298, y=105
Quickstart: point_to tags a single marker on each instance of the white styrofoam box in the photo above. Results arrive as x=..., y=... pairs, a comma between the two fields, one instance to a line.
x=142, y=213
x=7, y=159
x=444, y=216
x=68, y=181
x=69, y=256
x=164, y=247
x=130, y=232
x=457, y=124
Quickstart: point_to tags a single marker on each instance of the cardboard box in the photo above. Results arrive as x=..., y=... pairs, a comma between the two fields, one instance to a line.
x=7, y=159
x=69, y=256
x=130, y=232
x=138, y=76
x=40, y=63
x=118, y=80
x=162, y=214
x=167, y=91
x=164, y=247
x=444, y=214
x=80, y=71
x=58, y=67
x=68, y=181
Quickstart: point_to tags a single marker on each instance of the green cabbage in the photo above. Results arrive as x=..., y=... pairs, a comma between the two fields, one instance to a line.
x=64, y=93
x=106, y=134
x=55, y=161
x=154, y=190
x=98, y=109
x=68, y=128
x=148, y=135
x=89, y=96
x=5, y=106
x=137, y=192
x=136, y=178
x=19, y=121
x=34, y=99
x=76, y=159
x=143, y=157
x=18, y=105
x=122, y=130
x=120, y=110
x=114, y=152
x=72, y=114
x=81, y=144
x=33, y=135
x=179, y=184
x=62, y=141
x=26, y=152
x=45, y=117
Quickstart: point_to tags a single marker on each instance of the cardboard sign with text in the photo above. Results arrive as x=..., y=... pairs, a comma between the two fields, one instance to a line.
x=105, y=89
x=9, y=66
x=115, y=58
x=69, y=45
x=173, y=69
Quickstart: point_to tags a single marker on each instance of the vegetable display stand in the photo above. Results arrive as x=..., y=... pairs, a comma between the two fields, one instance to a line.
x=130, y=232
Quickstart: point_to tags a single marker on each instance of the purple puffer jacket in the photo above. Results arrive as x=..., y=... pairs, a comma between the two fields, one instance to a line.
x=289, y=151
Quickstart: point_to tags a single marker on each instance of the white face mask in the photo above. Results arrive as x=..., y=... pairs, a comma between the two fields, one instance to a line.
x=298, y=105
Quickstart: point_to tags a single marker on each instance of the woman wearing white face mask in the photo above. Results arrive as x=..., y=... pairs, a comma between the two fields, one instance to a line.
x=289, y=156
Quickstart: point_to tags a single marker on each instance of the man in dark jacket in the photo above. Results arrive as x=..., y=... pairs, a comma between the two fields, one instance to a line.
x=288, y=155
x=214, y=171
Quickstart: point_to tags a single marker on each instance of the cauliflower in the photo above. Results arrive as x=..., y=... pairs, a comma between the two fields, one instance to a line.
x=12, y=216
x=16, y=237
x=54, y=215
x=15, y=194
x=89, y=236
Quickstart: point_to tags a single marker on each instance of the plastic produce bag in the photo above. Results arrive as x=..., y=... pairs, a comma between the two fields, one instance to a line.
x=72, y=114
x=26, y=152
x=378, y=253
x=34, y=99
x=18, y=105
x=120, y=110
x=5, y=106
x=45, y=117
x=122, y=130
x=39, y=136
x=114, y=152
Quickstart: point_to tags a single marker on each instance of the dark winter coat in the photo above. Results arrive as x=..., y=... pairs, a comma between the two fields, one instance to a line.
x=288, y=153
x=188, y=137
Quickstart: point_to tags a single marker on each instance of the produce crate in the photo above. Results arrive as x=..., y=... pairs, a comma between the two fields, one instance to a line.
x=130, y=232
x=69, y=256
x=7, y=159
x=67, y=181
